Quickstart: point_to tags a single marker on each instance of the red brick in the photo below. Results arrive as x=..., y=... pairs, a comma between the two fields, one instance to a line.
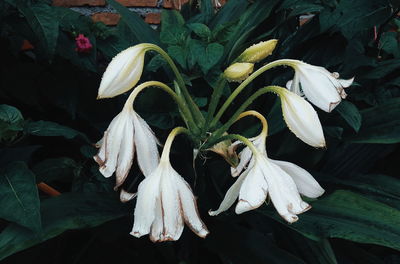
x=110, y=19
x=175, y=4
x=139, y=3
x=68, y=3
x=153, y=18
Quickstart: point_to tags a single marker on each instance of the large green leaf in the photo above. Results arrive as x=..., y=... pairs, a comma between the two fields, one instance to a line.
x=44, y=23
x=348, y=215
x=65, y=212
x=19, y=196
x=208, y=56
x=51, y=129
x=381, y=124
x=11, y=122
x=350, y=114
x=55, y=169
x=139, y=29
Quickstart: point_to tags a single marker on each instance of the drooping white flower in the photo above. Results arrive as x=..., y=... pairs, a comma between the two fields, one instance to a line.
x=165, y=202
x=282, y=181
x=301, y=118
x=126, y=133
x=123, y=72
x=321, y=87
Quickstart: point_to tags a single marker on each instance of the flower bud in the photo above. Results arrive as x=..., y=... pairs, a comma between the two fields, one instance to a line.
x=238, y=72
x=123, y=72
x=258, y=52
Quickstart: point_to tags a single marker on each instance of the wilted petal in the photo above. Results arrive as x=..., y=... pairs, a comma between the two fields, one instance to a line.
x=123, y=72
x=157, y=228
x=305, y=182
x=125, y=155
x=230, y=196
x=145, y=210
x=253, y=191
x=189, y=208
x=112, y=143
x=172, y=215
x=283, y=192
x=301, y=119
x=146, y=145
x=244, y=156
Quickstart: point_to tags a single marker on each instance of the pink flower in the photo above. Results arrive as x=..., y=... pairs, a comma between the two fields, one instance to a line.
x=83, y=44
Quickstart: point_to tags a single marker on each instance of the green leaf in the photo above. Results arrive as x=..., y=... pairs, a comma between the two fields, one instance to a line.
x=178, y=54
x=200, y=30
x=209, y=56
x=381, y=124
x=350, y=114
x=348, y=215
x=390, y=44
x=173, y=31
x=382, y=69
x=66, y=212
x=55, y=169
x=51, y=129
x=19, y=196
x=44, y=23
x=142, y=32
x=11, y=122
x=10, y=114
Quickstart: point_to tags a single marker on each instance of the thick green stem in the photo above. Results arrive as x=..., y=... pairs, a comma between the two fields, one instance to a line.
x=249, y=79
x=216, y=134
x=194, y=109
x=214, y=100
x=167, y=146
x=187, y=117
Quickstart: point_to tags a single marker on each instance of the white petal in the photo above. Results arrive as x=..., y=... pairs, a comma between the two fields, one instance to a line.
x=302, y=119
x=189, y=208
x=230, y=196
x=253, y=191
x=145, y=210
x=170, y=204
x=125, y=155
x=146, y=146
x=112, y=143
x=319, y=87
x=305, y=182
x=157, y=228
x=245, y=156
x=283, y=192
x=123, y=72
x=346, y=83
x=125, y=196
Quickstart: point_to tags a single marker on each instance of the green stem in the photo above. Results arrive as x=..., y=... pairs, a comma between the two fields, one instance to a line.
x=249, y=79
x=194, y=109
x=214, y=100
x=167, y=146
x=215, y=135
x=187, y=117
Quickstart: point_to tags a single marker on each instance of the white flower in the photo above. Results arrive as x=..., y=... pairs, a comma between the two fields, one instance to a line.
x=123, y=72
x=321, y=87
x=126, y=133
x=301, y=118
x=282, y=181
x=165, y=201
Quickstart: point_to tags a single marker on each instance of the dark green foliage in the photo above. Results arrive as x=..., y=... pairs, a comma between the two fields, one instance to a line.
x=50, y=120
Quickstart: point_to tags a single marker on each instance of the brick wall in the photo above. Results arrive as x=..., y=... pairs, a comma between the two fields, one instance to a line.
x=150, y=10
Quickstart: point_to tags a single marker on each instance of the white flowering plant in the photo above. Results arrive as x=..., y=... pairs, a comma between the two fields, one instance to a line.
x=252, y=132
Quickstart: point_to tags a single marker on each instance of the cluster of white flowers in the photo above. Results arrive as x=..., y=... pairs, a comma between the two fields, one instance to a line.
x=165, y=200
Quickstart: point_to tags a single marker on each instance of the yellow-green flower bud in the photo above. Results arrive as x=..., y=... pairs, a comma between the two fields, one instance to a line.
x=239, y=71
x=258, y=52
